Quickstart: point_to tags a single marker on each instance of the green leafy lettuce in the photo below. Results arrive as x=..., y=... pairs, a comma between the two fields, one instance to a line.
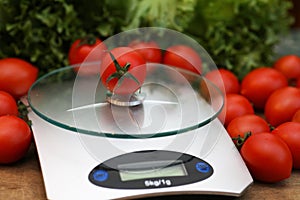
x=239, y=35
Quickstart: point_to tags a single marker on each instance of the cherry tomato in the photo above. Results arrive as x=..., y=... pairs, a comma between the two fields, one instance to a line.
x=259, y=84
x=183, y=56
x=296, y=116
x=225, y=80
x=297, y=83
x=123, y=80
x=235, y=105
x=289, y=65
x=282, y=105
x=245, y=124
x=15, y=138
x=16, y=76
x=290, y=133
x=267, y=157
x=8, y=105
x=86, y=50
x=149, y=50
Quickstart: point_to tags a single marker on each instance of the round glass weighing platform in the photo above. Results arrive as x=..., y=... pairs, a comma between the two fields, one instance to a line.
x=172, y=101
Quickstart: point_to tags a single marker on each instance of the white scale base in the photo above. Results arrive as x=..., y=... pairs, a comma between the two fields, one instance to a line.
x=66, y=163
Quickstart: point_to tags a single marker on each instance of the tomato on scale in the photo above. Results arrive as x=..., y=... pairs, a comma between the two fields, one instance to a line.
x=123, y=70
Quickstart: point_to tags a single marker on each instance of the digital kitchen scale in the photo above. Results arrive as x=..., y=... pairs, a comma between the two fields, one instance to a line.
x=166, y=139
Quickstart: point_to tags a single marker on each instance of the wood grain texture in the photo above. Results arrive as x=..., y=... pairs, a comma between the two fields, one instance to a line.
x=23, y=181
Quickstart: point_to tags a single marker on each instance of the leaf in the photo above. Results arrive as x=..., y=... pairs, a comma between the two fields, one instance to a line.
x=128, y=76
x=239, y=35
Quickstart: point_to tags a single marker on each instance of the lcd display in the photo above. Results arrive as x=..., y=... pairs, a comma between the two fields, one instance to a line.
x=151, y=169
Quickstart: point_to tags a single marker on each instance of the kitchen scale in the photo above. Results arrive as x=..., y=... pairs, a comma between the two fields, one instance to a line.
x=166, y=139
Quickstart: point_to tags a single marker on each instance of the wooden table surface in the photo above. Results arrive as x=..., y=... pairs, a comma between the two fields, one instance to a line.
x=23, y=181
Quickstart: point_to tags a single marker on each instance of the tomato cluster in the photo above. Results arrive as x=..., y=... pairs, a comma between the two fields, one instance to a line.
x=16, y=77
x=262, y=115
x=123, y=69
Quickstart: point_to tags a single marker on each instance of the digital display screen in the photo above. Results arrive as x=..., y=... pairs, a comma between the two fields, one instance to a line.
x=151, y=169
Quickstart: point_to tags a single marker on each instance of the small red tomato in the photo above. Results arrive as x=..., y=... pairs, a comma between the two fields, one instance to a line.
x=224, y=80
x=244, y=124
x=267, y=157
x=123, y=70
x=289, y=65
x=290, y=133
x=235, y=105
x=296, y=116
x=184, y=57
x=259, y=84
x=149, y=50
x=15, y=138
x=16, y=76
x=282, y=105
x=297, y=83
x=87, y=50
x=8, y=105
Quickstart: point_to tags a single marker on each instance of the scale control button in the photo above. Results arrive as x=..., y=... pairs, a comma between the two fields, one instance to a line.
x=100, y=175
x=202, y=167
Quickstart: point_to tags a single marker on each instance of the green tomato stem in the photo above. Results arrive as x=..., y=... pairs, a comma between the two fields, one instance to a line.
x=239, y=141
x=121, y=72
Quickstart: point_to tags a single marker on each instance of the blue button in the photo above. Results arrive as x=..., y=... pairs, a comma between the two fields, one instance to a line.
x=100, y=175
x=202, y=167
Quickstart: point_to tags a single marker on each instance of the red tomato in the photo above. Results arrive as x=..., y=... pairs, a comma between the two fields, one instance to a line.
x=235, y=105
x=15, y=138
x=149, y=50
x=267, y=157
x=282, y=105
x=225, y=80
x=296, y=116
x=290, y=133
x=241, y=125
x=85, y=50
x=259, y=84
x=182, y=56
x=289, y=65
x=297, y=83
x=8, y=105
x=16, y=76
x=123, y=81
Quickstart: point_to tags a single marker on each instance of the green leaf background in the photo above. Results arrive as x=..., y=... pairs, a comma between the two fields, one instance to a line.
x=239, y=35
